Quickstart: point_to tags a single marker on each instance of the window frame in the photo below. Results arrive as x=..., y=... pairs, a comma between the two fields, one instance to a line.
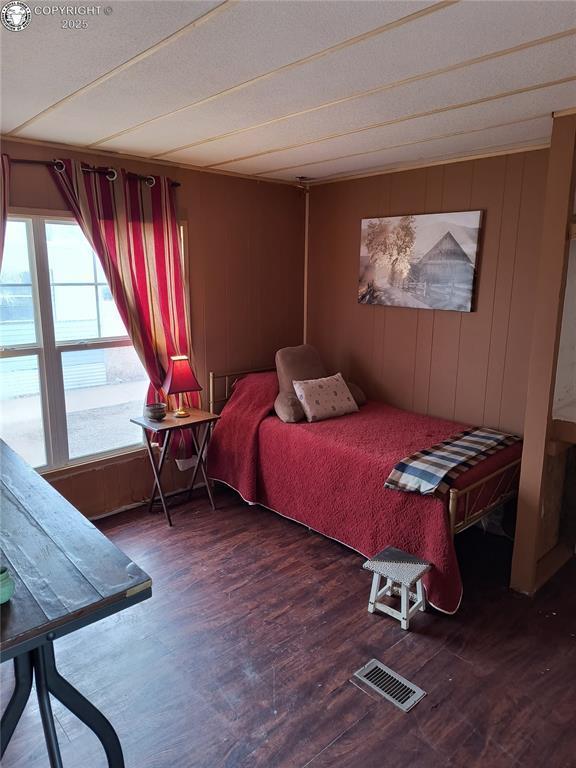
x=49, y=351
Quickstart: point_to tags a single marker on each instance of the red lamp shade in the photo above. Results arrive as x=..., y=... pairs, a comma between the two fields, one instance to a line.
x=180, y=376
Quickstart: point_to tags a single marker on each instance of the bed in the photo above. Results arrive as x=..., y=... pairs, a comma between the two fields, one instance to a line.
x=330, y=475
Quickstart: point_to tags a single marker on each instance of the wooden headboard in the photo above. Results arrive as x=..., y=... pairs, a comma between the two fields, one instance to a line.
x=221, y=386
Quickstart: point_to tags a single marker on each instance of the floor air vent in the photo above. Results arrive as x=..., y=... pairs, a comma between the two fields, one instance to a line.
x=390, y=685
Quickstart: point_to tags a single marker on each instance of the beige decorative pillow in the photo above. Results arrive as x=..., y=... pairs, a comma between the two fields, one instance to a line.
x=325, y=398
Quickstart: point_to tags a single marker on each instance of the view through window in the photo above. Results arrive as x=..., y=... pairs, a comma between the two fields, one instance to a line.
x=69, y=376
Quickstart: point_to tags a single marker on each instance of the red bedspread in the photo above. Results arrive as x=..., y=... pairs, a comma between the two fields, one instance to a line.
x=330, y=476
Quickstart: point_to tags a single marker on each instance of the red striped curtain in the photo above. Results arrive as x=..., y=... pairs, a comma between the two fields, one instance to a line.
x=4, y=186
x=133, y=228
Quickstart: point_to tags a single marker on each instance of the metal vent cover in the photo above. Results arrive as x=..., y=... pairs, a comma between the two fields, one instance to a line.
x=389, y=684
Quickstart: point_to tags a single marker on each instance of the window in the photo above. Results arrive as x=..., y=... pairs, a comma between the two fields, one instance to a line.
x=69, y=376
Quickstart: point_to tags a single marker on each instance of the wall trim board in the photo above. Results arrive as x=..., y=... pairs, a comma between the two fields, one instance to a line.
x=110, y=154
x=48, y=213
x=119, y=156
x=564, y=112
x=551, y=281
x=144, y=503
x=306, y=246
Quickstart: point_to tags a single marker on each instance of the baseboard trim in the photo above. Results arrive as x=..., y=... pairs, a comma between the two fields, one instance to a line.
x=143, y=503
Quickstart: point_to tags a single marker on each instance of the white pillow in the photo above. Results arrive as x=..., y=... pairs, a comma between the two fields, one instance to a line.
x=325, y=398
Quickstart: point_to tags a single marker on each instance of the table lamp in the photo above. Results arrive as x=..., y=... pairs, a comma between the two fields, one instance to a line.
x=179, y=379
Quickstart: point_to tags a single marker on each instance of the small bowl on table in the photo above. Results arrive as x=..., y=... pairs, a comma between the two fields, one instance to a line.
x=155, y=411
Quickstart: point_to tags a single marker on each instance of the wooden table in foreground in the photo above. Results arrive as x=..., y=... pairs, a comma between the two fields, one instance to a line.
x=200, y=424
x=67, y=575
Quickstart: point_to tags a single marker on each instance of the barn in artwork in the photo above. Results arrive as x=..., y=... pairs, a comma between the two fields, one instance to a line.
x=447, y=274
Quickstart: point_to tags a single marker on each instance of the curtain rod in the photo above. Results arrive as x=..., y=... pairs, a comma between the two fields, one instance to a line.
x=110, y=173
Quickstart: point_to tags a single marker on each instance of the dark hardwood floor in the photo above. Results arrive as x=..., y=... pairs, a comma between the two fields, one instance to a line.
x=243, y=658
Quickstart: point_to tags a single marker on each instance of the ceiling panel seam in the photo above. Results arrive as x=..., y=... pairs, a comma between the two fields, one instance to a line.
x=406, y=144
x=291, y=65
x=373, y=91
x=146, y=53
x=404, y=118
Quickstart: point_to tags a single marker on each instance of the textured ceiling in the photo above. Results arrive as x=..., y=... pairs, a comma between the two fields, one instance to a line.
x=287, y=88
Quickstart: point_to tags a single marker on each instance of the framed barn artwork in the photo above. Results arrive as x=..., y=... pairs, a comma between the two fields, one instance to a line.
x=423, y=261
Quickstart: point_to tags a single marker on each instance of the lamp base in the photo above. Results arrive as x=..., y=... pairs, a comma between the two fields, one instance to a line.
x=181, y=413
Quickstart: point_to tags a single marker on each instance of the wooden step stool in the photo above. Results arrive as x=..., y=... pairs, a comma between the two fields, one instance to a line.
x=402, y=571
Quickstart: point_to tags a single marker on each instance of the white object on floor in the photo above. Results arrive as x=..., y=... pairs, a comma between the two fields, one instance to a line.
x=401, y=571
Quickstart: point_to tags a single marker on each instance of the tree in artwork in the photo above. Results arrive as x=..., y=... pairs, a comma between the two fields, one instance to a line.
x=389, y=248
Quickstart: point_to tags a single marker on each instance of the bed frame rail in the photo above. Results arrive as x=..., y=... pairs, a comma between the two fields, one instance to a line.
x=502, y=485
x=228, y=379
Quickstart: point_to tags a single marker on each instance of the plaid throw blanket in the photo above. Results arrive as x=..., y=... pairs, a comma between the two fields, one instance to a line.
x=433, y=470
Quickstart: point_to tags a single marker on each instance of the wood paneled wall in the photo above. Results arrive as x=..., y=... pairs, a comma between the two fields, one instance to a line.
x=103, y=486
x=471, y=367
x=245, y=252
x=245, y=268
x=246, y=271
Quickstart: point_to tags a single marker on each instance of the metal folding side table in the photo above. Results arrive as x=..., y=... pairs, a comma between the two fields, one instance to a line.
x=200, y=424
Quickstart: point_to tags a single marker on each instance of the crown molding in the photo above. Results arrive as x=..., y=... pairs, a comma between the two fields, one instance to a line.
x=564, y=112
x=508, y=150
x=78, y=149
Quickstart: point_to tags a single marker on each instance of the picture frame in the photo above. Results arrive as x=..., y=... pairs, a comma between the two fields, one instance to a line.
x=421, y=261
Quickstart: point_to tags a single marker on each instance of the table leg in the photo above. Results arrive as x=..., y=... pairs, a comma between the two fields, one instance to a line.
x=156, y=470
x=197, y=465
x=208, y=486
x=20, y=695
x=43, y=693
x=160, y=465
x=201, y=465
x=50, y=681
x=81, y=707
